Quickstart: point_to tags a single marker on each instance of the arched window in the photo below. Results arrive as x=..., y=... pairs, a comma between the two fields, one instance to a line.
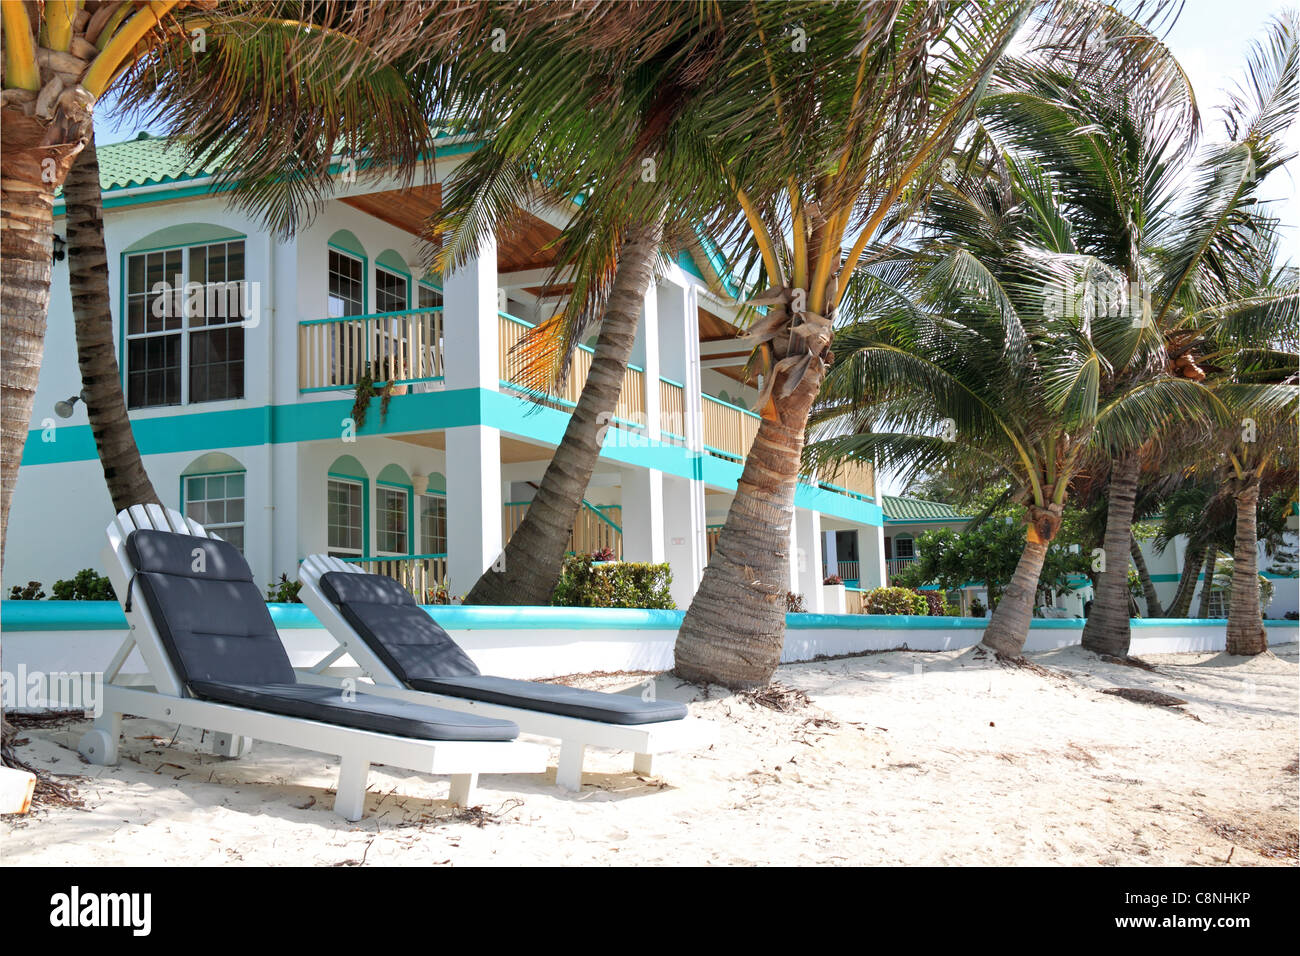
x=393, y=492
x=212, y=493
x=431, y=513
x=346, y=275
x=185, y=297
x=346, y=504
x=904, y=547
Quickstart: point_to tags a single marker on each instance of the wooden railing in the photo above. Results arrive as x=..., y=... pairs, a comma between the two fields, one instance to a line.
x=595, y=528
x=628, y=413
x=851, y=477
x=420, y=574
x=405, y=347
x=672, y=411
x=711, y=535
x=728, y=430
x=895, y=566
x=848, y=570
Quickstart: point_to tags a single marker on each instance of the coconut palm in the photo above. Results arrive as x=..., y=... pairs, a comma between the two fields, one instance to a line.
x=62, y=57
x=1120, y=154
x=962, y=352
x=574, y=107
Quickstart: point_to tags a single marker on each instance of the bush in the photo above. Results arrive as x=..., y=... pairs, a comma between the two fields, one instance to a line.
x=833, y=579
x=283, y=591
x=86, y=585
x=896, y=601
x=936, y=603
x=438, y=594
x=604, y=554
x=977, y=608
x=617, y=584
x=32, y=592
x=794, y=603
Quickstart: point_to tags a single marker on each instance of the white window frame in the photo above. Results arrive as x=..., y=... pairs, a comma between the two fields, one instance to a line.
x=381, y=490
x=361, y=515
x=219, y=527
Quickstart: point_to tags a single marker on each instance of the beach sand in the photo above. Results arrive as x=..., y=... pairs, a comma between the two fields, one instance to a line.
x=896, y=758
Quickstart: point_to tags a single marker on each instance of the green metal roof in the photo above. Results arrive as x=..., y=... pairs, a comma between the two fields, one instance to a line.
x=898, y=508
x=146, y=160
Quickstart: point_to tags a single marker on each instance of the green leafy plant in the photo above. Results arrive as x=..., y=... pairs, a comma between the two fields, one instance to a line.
x=438, y=594
x=366, y=390
x=894, y=600
x=584, y=583
x=936, y=603
x=86, y=585
x=283, y=591
x=32, y=592
x=977, y=608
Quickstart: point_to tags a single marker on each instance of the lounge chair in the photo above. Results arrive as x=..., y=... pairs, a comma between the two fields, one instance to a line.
x=216, y=662
x=398, y=646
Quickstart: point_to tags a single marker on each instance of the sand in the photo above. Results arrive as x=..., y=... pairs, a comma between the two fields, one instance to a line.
x=896, y=758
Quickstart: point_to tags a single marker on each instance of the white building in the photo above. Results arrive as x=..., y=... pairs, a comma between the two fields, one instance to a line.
x=245, y=423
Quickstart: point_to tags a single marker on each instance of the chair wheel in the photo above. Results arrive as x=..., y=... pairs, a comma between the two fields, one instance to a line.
x=99, y=747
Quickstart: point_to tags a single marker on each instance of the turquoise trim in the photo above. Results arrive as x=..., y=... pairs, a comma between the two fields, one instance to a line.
x=20, y=616
x=182, y=236
x=369, y=316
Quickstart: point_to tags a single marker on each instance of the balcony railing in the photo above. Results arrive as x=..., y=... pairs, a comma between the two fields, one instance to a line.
x=628, y=413
x=848, y=570
x=420, y=574
x=404, y=347
x=595, y=528
x=855, y=479
x=728, y=429
x=895, y=566
x=672, y=411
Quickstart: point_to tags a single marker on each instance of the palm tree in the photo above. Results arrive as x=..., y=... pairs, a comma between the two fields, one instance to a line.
x=124, y=472
x=864, y=116
x=1120, y=152
x=961, y=353
x=573, y=109
x=61, y=57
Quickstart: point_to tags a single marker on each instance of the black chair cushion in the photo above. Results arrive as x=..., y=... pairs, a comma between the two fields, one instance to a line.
x=362, y=712
x=556, y=699
x=210, y=615
x=398, y=630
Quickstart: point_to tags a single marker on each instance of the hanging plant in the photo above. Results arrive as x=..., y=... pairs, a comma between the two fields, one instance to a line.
x=366, y=390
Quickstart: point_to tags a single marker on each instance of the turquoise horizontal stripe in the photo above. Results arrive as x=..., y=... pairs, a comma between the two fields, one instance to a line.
x=18, y=616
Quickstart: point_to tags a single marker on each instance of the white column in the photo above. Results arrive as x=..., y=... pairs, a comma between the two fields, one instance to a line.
x=871, y=557
x=806, y=559
x=470, y=336
x=643, y=515
x=470, y=327
x=650, y=334
x=832, y=553
x=682, y=527
x=473, y=504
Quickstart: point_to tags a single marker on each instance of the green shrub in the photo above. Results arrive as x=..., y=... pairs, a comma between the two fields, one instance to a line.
x=896, y=601
x=936, y=603
x=977, y=608
x=283, y=591
x=616, y=584
x=86, y=585
x=32, y=592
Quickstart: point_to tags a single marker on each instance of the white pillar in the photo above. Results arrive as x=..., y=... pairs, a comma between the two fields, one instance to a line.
x=643, y=515
x=682, y=527
x=470, y=329
x=871, y=557
x=832, y=553
x=470, y=336
x=806, y=558
x=650, y=333
x=473, y=504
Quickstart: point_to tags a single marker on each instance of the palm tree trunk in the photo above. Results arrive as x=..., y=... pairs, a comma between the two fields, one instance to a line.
x=534, y=556
x=128, y=482
x=1207, y=583
x=1246, y=633
x=1182, y=604
x=734, y=629
x=1107, y=630
x=1008, y=628
x=1148, y=586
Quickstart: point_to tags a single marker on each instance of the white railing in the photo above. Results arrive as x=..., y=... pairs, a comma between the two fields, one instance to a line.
x=402, y=347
